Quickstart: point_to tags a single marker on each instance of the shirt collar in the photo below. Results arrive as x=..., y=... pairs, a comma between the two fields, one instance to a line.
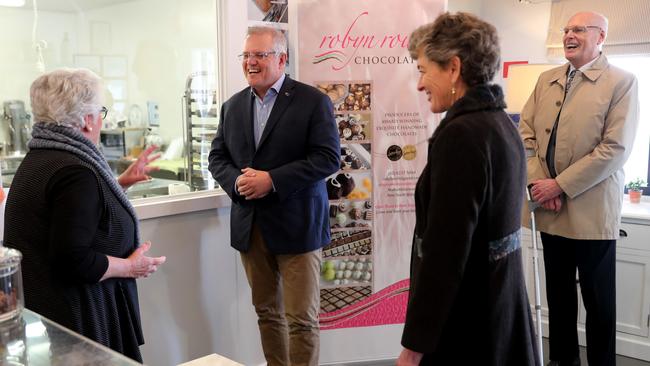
x=275, y=87
x=585, y=66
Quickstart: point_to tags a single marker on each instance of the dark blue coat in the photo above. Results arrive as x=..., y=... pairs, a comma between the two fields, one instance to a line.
x=299, y=148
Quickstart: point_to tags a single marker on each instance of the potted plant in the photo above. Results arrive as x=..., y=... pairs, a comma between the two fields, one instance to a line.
x=635, y=189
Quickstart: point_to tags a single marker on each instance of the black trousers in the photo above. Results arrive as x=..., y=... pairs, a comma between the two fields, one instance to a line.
x=596, y=264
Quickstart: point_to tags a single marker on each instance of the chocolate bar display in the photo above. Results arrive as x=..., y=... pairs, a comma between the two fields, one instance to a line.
x=348, y=243
x=333, y=299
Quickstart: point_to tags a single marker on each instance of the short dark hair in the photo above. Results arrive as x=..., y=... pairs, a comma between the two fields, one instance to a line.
x=473, y=40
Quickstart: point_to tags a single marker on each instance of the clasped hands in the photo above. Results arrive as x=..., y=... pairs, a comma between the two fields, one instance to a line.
x=548, y=193
x=253, y=183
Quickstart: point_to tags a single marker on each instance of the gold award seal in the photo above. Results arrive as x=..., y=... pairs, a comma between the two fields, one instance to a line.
x=409, y=152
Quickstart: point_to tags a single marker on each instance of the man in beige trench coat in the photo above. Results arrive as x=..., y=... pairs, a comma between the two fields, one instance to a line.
x=578, y=127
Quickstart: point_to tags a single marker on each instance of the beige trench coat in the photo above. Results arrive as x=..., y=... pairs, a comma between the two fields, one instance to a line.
x=595, y=133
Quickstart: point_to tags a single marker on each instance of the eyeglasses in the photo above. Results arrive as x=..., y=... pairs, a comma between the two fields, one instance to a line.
x=579, y=29
x=255, y=55
x=103, y=112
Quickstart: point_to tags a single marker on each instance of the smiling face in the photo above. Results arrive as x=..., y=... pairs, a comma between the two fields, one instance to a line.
x=436, y=82
x=582, y=47
x=262, y=73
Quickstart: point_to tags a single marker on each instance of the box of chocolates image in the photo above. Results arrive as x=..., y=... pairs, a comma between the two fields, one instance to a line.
x=351, y=271
x=354, y=127
x=358, y=98
x=355, y=156
x=346, y=215
x=353, y=185
x=337, y=92
x=349, y=243
x=336, y=298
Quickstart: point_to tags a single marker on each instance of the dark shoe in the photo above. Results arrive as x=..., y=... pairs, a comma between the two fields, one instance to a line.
x=575, y=362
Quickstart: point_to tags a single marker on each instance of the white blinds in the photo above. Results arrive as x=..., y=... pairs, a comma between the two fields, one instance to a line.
x=629, y=28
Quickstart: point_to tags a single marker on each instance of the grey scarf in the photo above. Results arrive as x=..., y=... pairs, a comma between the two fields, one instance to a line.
x=51, y=136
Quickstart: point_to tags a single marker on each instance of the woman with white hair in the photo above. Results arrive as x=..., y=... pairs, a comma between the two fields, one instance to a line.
x=72, y=221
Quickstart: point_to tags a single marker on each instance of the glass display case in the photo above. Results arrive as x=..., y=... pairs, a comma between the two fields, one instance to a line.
x=34, y=340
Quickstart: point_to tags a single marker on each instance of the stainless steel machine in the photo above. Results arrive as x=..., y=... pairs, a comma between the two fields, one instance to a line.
x=16, y=124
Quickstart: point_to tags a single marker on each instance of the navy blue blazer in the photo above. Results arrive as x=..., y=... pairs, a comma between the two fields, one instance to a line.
x=299, y=147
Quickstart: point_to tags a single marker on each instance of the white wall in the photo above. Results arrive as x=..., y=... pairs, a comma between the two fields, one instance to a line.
x=469, y=6
x=163, y=42
x=521, y=27
x=18, y=59
x=190, y=306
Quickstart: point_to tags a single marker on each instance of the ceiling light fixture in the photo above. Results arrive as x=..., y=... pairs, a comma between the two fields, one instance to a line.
x=12, y=3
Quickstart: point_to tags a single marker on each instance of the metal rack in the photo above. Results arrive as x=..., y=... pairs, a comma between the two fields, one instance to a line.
x=200, y=105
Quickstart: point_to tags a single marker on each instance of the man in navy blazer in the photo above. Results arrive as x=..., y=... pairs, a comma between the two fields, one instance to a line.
x=276, y=143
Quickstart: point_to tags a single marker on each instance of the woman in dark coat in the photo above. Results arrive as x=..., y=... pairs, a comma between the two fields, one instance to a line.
x=72, y=221
x=468, y=303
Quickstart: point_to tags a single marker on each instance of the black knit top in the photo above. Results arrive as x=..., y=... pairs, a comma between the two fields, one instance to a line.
x=64, y=219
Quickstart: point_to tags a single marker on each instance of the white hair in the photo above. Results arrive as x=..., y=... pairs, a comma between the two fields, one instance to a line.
x=66, y=96
x=279, y=40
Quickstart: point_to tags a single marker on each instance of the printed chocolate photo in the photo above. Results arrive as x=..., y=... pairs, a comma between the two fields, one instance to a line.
x=350, y=271
x=349, y=243
x=353, y=185
x=275, y=11
x=357, y=99
x=354, y=128
x=336, y=298
x=335, y=91
x=355, y=157
x=350, y=215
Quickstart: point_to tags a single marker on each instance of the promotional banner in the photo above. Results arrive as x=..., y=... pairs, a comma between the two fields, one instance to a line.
x=356, y=52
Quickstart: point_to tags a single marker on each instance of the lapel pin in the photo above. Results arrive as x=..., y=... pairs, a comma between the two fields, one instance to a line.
x=286, y=94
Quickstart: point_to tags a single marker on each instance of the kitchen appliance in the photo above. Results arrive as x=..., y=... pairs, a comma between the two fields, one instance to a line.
x=18, y=124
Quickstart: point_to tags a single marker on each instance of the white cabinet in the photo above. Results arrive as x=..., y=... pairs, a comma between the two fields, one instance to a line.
x=632, y=289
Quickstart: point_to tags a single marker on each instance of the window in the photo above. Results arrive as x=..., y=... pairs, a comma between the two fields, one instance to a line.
x=638, y=164
x=145, y=51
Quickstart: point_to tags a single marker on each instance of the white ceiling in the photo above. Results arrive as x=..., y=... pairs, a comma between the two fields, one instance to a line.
x=72, y=5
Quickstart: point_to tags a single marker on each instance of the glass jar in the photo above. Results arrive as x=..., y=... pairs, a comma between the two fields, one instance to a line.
x=11, y=284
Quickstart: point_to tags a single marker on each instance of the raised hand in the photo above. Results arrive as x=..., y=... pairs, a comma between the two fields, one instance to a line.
x=139, y=170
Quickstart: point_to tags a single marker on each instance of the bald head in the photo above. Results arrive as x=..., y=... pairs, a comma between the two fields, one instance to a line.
x=584, y=36
x=592, y=18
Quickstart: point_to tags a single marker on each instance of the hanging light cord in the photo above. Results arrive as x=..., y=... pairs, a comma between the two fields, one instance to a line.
x=40, y=45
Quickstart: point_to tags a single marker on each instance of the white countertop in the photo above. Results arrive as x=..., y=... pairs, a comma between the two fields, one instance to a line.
x=636, y=212
x=148, y=208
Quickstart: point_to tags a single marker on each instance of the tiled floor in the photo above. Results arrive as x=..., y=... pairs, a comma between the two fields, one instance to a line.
x=620, y=360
